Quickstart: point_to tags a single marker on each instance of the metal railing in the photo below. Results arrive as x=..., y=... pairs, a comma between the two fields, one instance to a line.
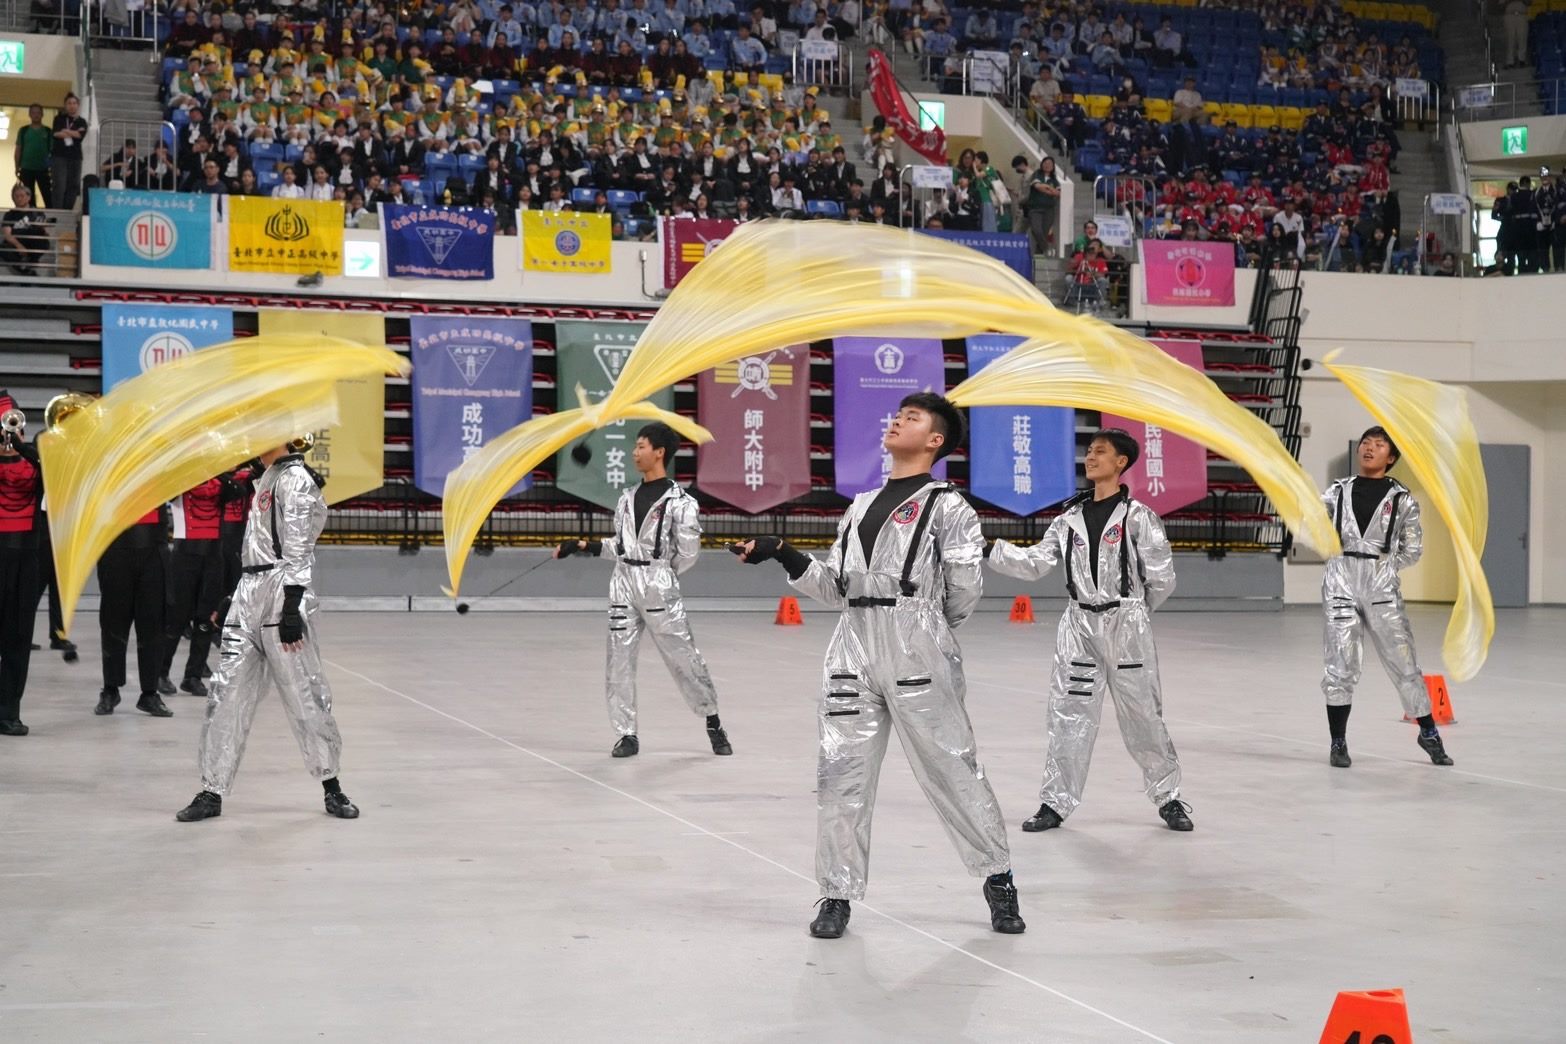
x=97, y=21
x=812, y=68
x=1448, y=224
x=41, y=244
x=147, y=135
x=1499, y=100
x=1130, y=195
x=1420, y=105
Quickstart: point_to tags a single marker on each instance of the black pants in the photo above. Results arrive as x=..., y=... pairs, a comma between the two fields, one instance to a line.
x=47, y=579
x=37, y=182
x=130, y=580
x=18, y=611
x=194, y=589
x=233, y=541
x=1558, y=252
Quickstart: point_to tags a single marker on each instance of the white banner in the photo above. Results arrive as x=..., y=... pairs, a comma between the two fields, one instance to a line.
x=1405, y=88
x=932, y=177
x=818, y=50
x=1476, y=97
x=1114, y=231
x=1448, y=203
x=988, y=71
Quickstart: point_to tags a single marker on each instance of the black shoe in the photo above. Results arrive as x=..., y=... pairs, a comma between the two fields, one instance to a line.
x=151, y=703
x=1001, y=894
x=1433, y=746
x=194, y=687
x=1340, y=755
x=206, y=805
x=832, y=921
x=1175, y=814
x=1045, y=818
x=337, y=804
x=108, y=699
x=67, y=650
x=166, y=686
x=627, y=747
x=12, y=728
x=206, y=672
x=720, y=741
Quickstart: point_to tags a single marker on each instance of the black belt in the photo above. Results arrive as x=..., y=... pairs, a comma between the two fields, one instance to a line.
x=871, y=603
x=1361, y=554
x=635, y=561
x=267, y=568
x=1102, y=607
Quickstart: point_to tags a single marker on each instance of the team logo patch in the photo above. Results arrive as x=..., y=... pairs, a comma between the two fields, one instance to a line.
x=264, y=500
x=907, y=513
x=1077, y=540
x=1112, y=535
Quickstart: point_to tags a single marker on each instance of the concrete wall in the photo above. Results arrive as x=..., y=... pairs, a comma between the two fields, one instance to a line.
x=49, y=70
x=1546, y=144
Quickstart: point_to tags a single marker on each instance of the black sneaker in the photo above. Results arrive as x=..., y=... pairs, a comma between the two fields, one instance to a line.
x=720, y=741
x=207, y=805
x=194, y=687
x=1433, y=746
x=1340, y=755
x=337, y=804
x=151, y=703
x=832, y=921
x=66, y=649
x=166, y=686
x=108, y=699
x=1001, y=894
x=12, y=728
x=1045, y=818
x=1176, y=814
x=627, y=747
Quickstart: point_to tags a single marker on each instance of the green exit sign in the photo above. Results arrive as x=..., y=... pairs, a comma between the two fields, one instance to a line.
x=12, y=55
x=1514, y=141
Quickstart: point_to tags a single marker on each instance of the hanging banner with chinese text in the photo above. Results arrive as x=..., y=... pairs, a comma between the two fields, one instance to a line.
x=300, y=236
x=138, y=337
x=565, y=242
x=1020, y=458
x=145, y=229
x=591, y=354
x=686, y=241
x=1171, y=473
x=871, y=375
x=1187, y=273
x=472, y=381
x=438, y=242
x=758, y=410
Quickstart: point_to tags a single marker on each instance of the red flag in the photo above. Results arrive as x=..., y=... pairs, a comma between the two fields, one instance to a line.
x=759, y=410
x=888, y=97
x=686, y=241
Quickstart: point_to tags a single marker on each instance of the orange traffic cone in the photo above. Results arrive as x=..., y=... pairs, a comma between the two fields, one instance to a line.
x=1363, y=1017
x=788, y=612
x=1440, y=701
x=1022, y=609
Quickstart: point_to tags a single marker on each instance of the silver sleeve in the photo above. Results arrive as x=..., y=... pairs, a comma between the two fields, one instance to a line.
x=1029, y=563
x=685, y=533
x=961, y=544
x=820, y=580
x=1410, y=542
x=294, y=496
x=1157, y=561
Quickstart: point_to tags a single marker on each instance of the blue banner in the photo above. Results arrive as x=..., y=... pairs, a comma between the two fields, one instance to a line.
x=472, y=381
x=1022, y=459
x=138, y=337
x=438, y=242
x=144, y=229
x=1011, y=249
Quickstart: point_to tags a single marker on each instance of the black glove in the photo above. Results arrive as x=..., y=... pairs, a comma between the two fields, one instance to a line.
x=987, y=549
x=764, y=549
x=770, y=547
x=567, y=549
x=291, y=625
x=594, y=547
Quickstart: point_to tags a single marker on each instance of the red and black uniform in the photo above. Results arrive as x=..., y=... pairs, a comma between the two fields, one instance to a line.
x=21, y=489
x=195, y=582
x=238, y=489
x=131, y=587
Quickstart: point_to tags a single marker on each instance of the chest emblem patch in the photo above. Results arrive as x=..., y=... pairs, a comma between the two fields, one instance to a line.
x=907, y=513
x=264, y=500
x=1112, y=535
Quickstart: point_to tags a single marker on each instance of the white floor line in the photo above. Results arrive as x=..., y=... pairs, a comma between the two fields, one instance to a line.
x=698, y=828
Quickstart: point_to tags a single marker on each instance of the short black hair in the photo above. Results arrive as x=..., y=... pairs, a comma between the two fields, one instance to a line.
x=660, y=436
x=1121, y=440
x=946, y=416
x=1377, y=431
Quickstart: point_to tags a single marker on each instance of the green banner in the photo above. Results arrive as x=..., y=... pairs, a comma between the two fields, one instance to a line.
x=591, y=354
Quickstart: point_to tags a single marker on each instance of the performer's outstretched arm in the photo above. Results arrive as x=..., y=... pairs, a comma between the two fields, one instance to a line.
x=1030, y=563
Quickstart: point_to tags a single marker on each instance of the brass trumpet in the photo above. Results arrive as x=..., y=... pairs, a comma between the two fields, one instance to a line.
x=302, y=443
x=12, y=423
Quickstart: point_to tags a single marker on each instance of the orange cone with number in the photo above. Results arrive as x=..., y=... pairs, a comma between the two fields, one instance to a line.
x=788, y=612
x=1440, y=700
x=1022, y=609
x=1368, y=1017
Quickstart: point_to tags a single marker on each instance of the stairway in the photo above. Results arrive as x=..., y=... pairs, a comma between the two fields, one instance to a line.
x=1465, y=60
x=126, y=84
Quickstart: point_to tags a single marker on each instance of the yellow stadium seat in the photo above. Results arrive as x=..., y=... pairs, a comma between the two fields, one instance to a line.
x=1374, y=12
x=1098, y=105
x=715, y=77
x=1213, y=109
x=1352, y=7
x=771, y=81
x=1239, y=114
x=1264, y=116
x=1290, y=118
x=1160, y=109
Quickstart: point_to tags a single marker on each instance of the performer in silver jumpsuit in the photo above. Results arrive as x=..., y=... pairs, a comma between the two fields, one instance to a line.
x=1378, y=523
x=1118, y=571
x=657, y=536
x=269, y=637
x=906, y=571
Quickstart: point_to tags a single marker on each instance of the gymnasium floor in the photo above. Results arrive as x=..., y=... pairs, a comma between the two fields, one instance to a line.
x=509, y=881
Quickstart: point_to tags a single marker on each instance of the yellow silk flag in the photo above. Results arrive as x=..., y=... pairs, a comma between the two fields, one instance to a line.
x=565, y=242
x=351, y=453
x=297, y=236
x=777, y=283
x=1436, y=439
x=158, y=434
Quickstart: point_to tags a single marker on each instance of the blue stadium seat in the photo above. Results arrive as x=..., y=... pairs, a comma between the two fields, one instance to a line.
x=469, y=165
x=823, y=206
x=271, y=152
x=268, y=179
x=582, y=195
x=623, y=198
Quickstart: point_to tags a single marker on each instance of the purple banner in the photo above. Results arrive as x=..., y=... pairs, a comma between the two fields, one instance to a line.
x=472, y=381
x=871, y=375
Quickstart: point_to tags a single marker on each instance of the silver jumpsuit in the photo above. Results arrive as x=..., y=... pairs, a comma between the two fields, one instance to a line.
x=1105, y=640
x=1360, y=590
x=893, y=662
x=644, y=595
x=286, y=517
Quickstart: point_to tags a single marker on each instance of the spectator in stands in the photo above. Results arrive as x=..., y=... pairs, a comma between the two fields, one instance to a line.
x=24, y=236
x=321, y=188
x=1090, y=272
x=34, y=143
x=158, y=172
x=288, y=187
x=65, y=158
x=1188, y=102
x=1515, y=21
x=211, y=183
x=1041, y=203
x=1169, y=46
x=748, y=53
x=1045, y=92
x=246, y=185
x=1447, y=267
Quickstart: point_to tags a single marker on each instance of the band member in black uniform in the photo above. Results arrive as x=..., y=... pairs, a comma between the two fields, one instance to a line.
x=195, y=583
x=21, y=489
x=238, y=488
x=131, y=587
